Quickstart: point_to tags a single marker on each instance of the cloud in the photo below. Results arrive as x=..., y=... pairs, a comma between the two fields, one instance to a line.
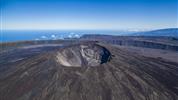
x=69, y=36
x=44, y=37
x=53, y=36
x=37, y=39
x=77, y=36
x=73, y=35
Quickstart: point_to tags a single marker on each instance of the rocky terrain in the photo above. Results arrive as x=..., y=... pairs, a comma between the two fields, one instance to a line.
x=155, y=42
x=85, y=71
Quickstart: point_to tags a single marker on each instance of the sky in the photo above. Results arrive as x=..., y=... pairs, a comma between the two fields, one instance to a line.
x=88, y=14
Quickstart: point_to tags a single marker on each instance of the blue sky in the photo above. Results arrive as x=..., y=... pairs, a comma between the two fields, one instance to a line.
x=88, y=14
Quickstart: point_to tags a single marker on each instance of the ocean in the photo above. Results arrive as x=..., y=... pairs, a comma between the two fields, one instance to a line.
x=19, y=35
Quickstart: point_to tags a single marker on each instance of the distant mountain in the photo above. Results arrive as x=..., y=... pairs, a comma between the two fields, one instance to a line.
x=172, y=32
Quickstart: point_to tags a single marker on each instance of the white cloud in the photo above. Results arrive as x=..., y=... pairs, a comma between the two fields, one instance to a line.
x=69, y=36
x=44, y=37
x=77, y=36
x=37, y=39
x=53, y=36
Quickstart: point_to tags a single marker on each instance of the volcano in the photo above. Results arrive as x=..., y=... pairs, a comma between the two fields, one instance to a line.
x=85, y=71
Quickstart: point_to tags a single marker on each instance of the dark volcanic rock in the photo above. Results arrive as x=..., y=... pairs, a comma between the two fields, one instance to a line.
x=125, y=77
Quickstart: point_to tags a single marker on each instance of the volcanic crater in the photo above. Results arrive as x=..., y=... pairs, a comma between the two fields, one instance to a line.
x=83, y=55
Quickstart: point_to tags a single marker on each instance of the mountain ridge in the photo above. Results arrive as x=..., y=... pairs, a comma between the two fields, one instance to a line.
x=172, y=32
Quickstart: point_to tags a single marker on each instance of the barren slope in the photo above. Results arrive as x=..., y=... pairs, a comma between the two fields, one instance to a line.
x=126, y=76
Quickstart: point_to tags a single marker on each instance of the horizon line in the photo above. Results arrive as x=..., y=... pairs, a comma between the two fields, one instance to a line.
x=123, y=29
